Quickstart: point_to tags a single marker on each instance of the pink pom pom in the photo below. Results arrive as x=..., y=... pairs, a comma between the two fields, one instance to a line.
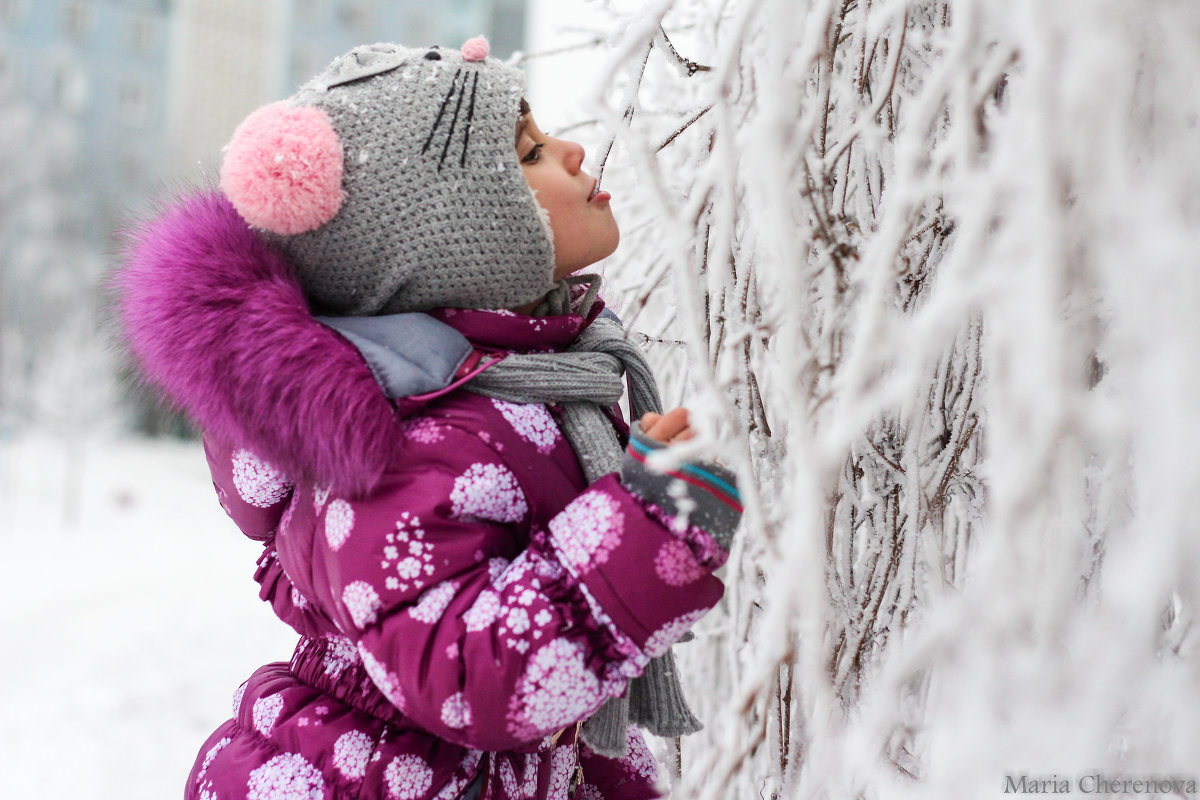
x=476, y=49
x=283, y=169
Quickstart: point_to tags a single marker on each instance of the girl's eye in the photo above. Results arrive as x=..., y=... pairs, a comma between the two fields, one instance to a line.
x=532, y=156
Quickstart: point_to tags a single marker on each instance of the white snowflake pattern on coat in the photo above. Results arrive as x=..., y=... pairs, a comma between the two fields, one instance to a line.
x=510, y=572
x=362, y=601
x=669, y=634
x=288, y=776
x=340, y=653
x=423, y=430
x=638, y=760
x=562, y=767
x=408, y=777
x=387, y=682
x=465, y=774
x=339, y=523
x=210, y=756
x=320, y=497
x=258, y=483
x=496, y=567
x=675, y=565
x=433, y=603
x=588, y=792
x=456, y=711
x=556, y=690
x=524, y=787
x=405, y=549
x=532, y=422
x=351, y=752
x=483, y=612
x=266, y=711
x=587, y=530
x=237, y=697
x=488, y=492
x=517, y=621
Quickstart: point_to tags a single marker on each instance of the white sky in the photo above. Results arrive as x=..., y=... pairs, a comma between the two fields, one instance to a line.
x=559, y=85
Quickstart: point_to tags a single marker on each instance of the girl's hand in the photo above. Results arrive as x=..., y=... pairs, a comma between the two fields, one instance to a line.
x=668, y=428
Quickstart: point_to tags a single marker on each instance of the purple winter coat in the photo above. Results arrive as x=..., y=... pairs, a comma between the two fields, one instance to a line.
x=463, y=597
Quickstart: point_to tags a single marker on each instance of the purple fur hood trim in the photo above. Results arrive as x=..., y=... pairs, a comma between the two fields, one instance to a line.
x=216, y=320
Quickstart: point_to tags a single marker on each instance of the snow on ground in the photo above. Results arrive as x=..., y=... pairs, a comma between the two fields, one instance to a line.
x=130, y=616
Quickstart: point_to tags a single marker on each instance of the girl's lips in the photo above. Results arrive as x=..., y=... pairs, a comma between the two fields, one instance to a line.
x=598, y=196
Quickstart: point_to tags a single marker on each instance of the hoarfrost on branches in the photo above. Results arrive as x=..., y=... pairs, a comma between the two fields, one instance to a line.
x=922, y=271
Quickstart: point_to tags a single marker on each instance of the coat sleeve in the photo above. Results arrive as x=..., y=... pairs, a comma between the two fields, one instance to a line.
x=487, y=633
x=252, y=492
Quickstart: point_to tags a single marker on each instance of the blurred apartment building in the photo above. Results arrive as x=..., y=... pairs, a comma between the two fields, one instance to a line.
x=108, y=104
x=231, y=56
x=154, y=88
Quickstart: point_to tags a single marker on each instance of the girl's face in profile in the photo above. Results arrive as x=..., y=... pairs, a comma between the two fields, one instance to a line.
x=582, y=221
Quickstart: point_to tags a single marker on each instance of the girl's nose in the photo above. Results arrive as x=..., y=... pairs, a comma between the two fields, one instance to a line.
x=573, y=156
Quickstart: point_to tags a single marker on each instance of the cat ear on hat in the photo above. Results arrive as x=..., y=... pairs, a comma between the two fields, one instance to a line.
x=476, y=49
x=283, y=169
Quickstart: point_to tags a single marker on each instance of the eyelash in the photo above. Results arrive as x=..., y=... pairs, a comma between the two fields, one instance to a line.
x=532, y=156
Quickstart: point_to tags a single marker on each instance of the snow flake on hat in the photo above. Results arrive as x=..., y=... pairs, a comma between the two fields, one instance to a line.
x=339, y=522
x=257, y=482
x=556, y=689
x=488, y=492
x=433, y=603
x=351, y=752
x=675, y=565
x=266, y=712
x=587, y=530
x=288, y=776
x=362, y=601
x=386, y=682
x=483, y=612
x=669, y=634
x=456, y=711
x=408, y=777
x=532, y=422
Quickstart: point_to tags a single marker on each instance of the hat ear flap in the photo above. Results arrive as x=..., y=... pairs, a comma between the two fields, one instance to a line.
x=283, y=169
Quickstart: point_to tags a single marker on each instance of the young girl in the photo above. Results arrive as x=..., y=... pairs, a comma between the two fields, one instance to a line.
x=485, y=575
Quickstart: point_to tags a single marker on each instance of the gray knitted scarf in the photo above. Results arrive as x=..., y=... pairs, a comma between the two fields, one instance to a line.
x=584, y=380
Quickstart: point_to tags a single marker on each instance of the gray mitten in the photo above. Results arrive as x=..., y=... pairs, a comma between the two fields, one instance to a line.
x=704, y=494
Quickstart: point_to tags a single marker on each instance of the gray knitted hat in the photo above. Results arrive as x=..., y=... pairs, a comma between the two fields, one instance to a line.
x=391, y=181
